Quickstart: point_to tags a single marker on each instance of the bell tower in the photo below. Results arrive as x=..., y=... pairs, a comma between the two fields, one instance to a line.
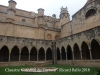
x=64, y=16
x=11, y=11
x=40, y=17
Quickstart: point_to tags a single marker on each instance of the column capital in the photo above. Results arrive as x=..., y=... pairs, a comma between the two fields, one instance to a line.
x=45, y=52
x=19, y=51
x=89, y=48
x=81, y=54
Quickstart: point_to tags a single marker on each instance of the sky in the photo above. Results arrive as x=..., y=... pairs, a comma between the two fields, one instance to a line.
x=50, y=6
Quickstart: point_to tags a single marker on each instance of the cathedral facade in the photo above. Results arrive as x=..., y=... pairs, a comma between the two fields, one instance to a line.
x=27, y=37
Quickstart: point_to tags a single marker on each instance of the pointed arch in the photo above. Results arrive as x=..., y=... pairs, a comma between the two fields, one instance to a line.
x=69, y=53
x=77, y=55
x=49, y=54
x=58, y=54
x=16, y=47
x=63, y=53
x=33, y=54
x=41, y=54
x=85, y=51
x=24, y=54
x=4, y=54
x=14, y=54
x=95, y=49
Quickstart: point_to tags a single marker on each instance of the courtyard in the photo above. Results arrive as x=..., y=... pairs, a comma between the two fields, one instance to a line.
x=63, y=70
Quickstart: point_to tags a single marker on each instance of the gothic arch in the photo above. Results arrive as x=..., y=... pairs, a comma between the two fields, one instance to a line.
x=26, y=47
x=33, y=47
x=96, y=40
x=58, y=54
x=63, y=51
x=16, y=46
x=41, y=54
x=4, y=54
x=49, y=54
x=14, y=54
x=24, y=54
x=86, y=42
x=5, y=46
x=95, y=49
x=85, y=51
x=77, y=55
x=33, y=54
x=69, y=53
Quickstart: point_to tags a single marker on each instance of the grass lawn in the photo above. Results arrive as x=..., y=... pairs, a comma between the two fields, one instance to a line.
x=70, y=70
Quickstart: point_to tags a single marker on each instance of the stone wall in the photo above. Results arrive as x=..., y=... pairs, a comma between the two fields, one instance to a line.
x=10, y=42
x=30, y=18
x=85, y=36
x=82, y=54
x=79, y=21
x=19, y=30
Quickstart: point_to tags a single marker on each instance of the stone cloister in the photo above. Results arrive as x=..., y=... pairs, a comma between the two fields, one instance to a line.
x=23, y=49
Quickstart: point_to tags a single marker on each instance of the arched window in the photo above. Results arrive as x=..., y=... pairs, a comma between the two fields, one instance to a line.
x=49, y=37
x=90, y=12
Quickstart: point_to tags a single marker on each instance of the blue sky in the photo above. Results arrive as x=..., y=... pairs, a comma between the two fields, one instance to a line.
x=50, y=6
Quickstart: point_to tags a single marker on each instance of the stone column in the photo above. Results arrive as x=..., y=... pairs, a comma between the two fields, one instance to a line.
x=29, y=56
x=19, y=56
x=9, y=57
x=54, y=54
x=60, y=56
x=66, y=55
x=37, y=55
x=90, y=53
x=73, y=55
x=81, y=54
x=45, y=56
